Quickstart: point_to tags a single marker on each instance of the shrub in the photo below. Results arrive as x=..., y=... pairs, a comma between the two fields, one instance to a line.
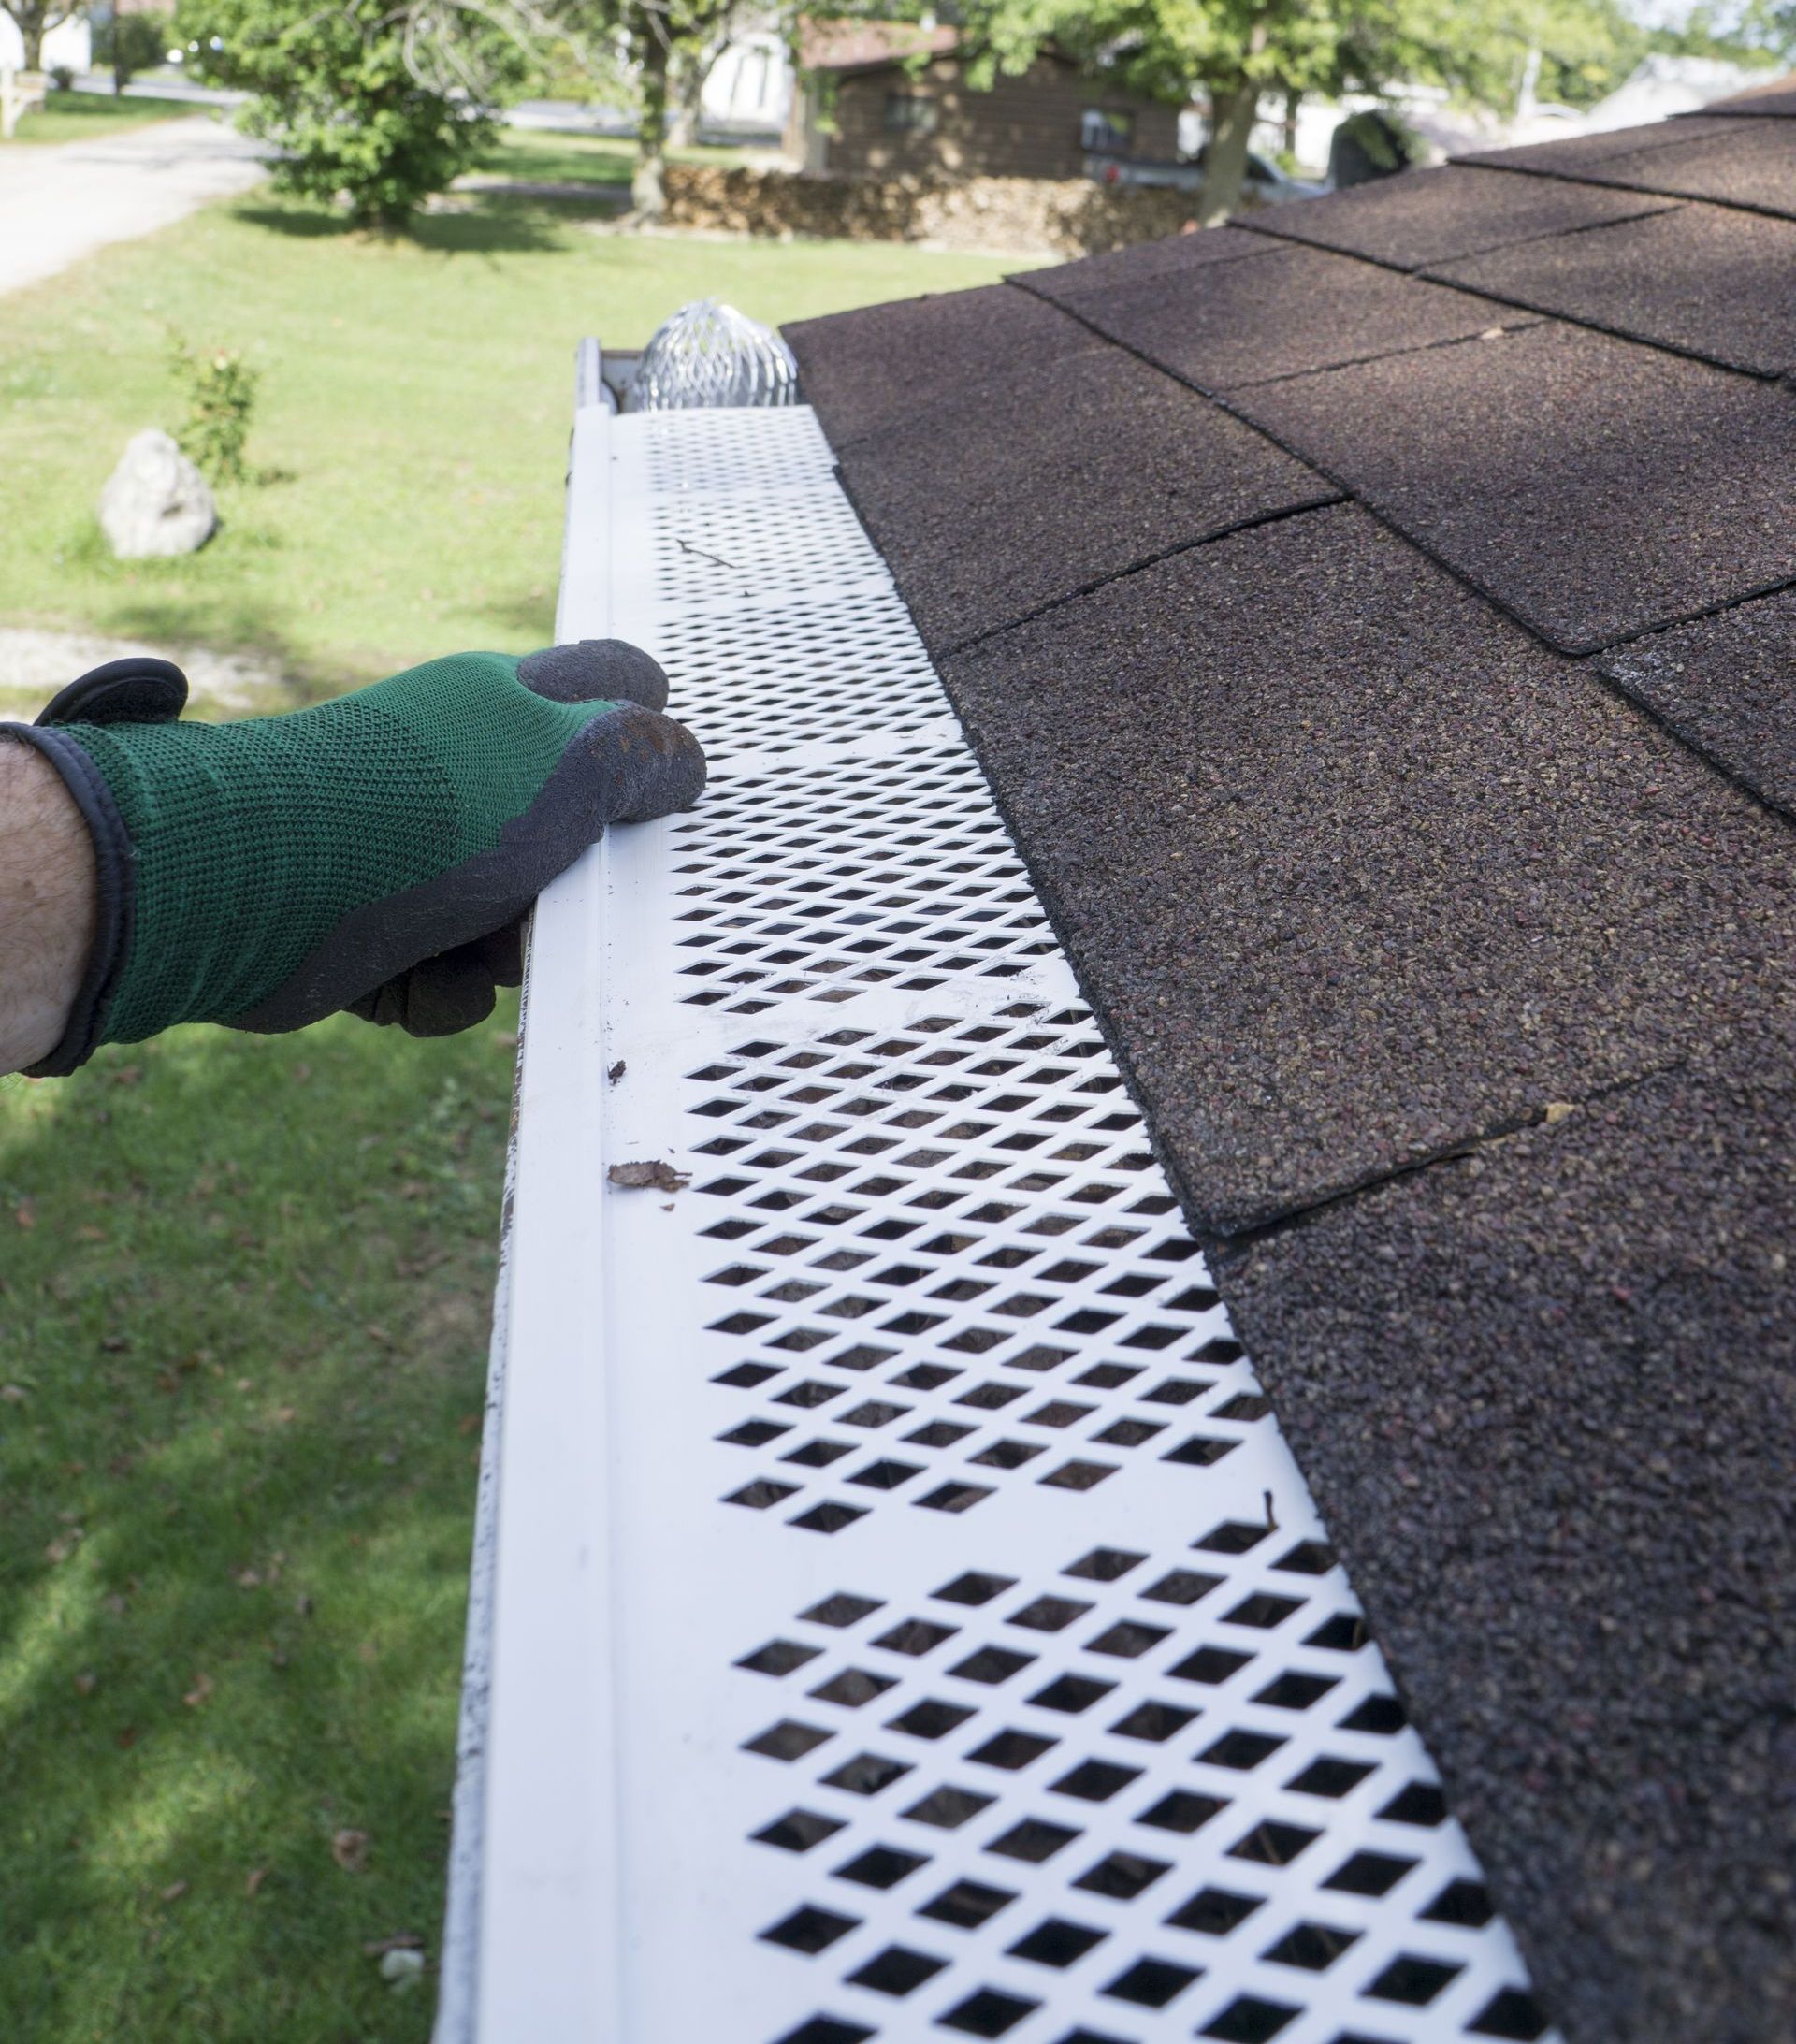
x=63, y=78
x=220, y=395
x=333, y=89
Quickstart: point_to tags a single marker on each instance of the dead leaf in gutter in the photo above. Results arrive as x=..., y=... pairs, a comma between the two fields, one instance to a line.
x=657, y=1176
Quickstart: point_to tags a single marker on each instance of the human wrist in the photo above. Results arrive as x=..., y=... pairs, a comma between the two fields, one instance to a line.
x=48, y=904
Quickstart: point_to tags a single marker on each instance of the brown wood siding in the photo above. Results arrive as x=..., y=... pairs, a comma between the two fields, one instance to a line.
x=1026, y=126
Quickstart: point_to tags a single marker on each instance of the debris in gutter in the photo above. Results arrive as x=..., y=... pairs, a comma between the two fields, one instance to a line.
x=616, y=1072
x=657, y=1176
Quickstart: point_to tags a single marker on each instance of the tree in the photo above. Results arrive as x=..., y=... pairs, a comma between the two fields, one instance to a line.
x=660, y=49
x=1236, y=51
x=667, y=43
x=339, y=89
x=1762, y=32
x=34, y=20
x=129, y=43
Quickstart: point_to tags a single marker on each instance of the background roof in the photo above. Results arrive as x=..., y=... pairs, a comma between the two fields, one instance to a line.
x=1377, y=620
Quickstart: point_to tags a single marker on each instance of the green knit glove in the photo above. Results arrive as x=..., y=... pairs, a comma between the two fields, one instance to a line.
x=376, y=853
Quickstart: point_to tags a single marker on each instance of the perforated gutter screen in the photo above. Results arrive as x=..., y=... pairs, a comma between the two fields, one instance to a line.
x=905, y=1618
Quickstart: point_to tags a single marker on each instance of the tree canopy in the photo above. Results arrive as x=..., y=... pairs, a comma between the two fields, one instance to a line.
x=1234, y=51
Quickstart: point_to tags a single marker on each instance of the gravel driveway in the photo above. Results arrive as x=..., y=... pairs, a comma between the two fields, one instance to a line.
x=58, y=204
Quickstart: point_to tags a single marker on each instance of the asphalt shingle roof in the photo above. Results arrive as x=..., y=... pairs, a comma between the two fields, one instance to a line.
x=1709, y=281
x=1430, y=857
x=1435, y=216
x=1225, y=327
x=1726, y=685
x=1736, y=162
x=985, y=525
x=1594, y=487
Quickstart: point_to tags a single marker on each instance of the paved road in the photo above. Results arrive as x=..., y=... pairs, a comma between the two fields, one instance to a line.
x=60, y=204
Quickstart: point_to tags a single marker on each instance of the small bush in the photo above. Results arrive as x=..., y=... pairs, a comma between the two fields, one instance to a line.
x=63, y=78
x=334, y=90
x=220, y=395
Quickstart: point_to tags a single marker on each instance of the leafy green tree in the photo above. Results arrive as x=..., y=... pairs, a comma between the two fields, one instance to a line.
x=1234, y=52
x=129, y=43
x=34, y=20
x=343, y=91
x=1761, y=32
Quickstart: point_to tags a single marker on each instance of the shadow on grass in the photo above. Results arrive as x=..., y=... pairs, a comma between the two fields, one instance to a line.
x=246, y=1310
x=498, y=226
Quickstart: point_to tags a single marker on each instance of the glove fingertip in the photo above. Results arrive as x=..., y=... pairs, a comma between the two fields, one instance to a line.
x=594, y=671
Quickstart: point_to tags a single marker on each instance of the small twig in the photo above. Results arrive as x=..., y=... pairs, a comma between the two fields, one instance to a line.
x=686, y=547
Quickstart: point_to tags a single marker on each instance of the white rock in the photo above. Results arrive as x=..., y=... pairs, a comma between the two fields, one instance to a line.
x=155, y=501
x=401, y=1969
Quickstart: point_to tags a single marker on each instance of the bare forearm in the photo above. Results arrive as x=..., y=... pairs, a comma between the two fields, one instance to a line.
x=47, y=903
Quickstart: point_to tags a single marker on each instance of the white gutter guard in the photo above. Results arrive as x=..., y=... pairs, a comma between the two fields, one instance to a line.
x=897, y=1614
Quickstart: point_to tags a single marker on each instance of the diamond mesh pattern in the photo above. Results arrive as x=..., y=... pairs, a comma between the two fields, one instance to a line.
x=981, y=1665
x=963, y=1270
x=1122, y=1788
x=772, y=676
x=824, y=879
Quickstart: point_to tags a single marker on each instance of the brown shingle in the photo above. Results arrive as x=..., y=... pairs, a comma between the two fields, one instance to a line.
x=1707, y=280
x=1594, y=487
x=1280, y=314
x=1069, y=284
x=1354, y=868
x=1571, y=157
x=866, y=369
x=983, y=517
x=1735, y=161
x=1431, y=216
x=1727, y=684
x=1546, y=1398
x=1777, y=95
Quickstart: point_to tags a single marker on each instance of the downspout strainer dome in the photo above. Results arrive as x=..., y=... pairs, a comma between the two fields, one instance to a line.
x=709, y=353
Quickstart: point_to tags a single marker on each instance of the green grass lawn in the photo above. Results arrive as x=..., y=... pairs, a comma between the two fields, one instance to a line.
x=244, y=1282
x=242, y=1328
x=78, y=117
x=552, y=157
x=413, y=421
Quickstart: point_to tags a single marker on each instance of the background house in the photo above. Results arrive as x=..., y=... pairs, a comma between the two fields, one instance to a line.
x=865, y=103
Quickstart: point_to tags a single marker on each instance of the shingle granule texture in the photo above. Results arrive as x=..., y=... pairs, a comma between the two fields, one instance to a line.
x=1236, y=324
x=1353, y=868
x=1594, y=487
x=1431, y=216
x=1067, y=284
x=1740, y=163
x=1546, y=1398
x=1577, y=152
x=1776, y=97
x=868, y=369
x=1727, y=684
x=981, y=519
x=1707, y=280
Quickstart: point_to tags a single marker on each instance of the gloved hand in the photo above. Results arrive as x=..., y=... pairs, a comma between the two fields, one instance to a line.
x=376, y=853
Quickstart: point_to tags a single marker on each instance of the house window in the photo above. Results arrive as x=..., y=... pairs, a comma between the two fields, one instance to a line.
x=911, y=113
x=1104, y=133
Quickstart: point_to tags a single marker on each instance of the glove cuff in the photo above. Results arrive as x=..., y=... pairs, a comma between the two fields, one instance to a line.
x=115, y=893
